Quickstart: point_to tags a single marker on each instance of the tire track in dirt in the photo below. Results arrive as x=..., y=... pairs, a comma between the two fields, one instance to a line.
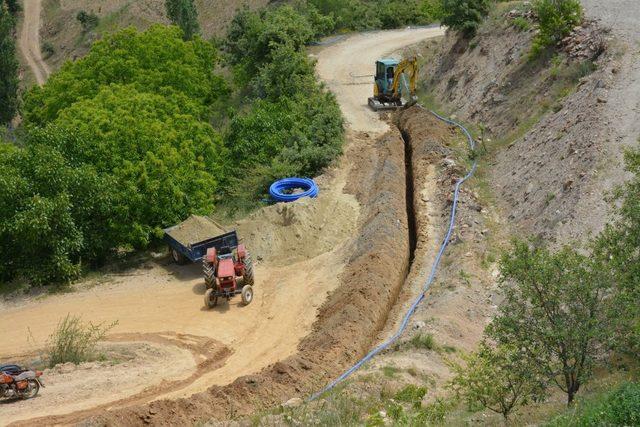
x=208, y=353
x=29, y=41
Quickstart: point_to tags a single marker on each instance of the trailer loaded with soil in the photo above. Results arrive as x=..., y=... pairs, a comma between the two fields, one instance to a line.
x=226, y=264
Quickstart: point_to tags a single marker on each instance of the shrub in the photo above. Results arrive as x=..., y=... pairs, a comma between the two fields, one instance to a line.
x=75, y=341
x=425, y=341
x=89, y=21
x=48, y=50
x=620, y=407
x=464, y=16
x=556, y=20
x=184, y=14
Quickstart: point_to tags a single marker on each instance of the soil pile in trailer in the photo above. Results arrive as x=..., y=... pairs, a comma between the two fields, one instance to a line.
x=195, y=229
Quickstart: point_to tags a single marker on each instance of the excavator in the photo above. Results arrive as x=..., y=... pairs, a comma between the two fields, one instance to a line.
x=391, y=90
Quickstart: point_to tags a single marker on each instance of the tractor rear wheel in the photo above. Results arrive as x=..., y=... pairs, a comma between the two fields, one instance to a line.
x=209, y=274
x=248, y=271
x=210, y=299
x=247, y=294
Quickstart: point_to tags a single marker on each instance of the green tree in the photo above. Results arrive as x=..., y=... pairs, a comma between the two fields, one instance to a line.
x=156, y=60
x=555, y=309
x=184, y=14
x=495, y=378
x=617, y=254
x=89, y=21
x=464, y=15
x=8, y=68
x=164, y=161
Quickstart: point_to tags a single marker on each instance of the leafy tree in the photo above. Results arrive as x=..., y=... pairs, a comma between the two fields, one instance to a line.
x=495, y=378
x=184, y=14
x=254, y=36
x=156, y=60
x=164, y=161
x=464, y=15
x=555, y=310
x=616, y=251
x=8, y=68
x=39, y=213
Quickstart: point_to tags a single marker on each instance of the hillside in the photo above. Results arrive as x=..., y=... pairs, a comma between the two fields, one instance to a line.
x=64, y=33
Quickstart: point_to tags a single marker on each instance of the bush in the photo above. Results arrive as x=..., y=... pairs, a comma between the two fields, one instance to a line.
x=75, y=341
x=620, y=407
x=183, y=13
x=556, y=20
x=48, y=50
x=89, y=21
x=464, y=16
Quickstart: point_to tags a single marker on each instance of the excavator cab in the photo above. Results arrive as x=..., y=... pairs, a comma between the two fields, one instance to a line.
x=394, y=84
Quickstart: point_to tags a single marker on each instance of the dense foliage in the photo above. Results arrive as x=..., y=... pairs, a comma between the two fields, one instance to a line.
x=292, y=126
x=184, y=14
x=620, y=407
x=464, y=15
x=8, y=67
x=118, y=146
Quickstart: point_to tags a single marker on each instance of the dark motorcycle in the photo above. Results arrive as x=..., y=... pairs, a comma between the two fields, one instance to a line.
x=19, y=382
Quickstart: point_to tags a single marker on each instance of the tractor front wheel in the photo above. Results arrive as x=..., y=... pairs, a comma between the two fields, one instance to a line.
x=210, y=299
x=248, y=271
x=209, y=274
x=247, y=294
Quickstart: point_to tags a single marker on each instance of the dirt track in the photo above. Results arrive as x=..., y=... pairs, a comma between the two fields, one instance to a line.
x=298, y=271
x=29, y=41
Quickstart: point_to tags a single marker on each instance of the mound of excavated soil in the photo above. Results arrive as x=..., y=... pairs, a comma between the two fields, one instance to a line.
x=290, y=232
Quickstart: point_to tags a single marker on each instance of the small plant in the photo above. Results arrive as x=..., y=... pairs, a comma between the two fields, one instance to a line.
x=89, y=20
x=411, y=394
x=424, y=341
x=522, y=24
x=556, y=20
x=75, y=341
x=549, y=198
x=48, y=50
x=390, y=371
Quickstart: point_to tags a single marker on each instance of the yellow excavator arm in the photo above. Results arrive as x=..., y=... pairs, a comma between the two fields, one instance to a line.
x=407, y=66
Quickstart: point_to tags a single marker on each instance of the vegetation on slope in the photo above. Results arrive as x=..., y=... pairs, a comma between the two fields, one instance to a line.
x=8, y=63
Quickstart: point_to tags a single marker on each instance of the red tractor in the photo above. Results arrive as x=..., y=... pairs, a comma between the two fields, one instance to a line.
x=224, y=269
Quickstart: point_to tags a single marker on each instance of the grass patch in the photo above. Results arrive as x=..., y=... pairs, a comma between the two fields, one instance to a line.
x=424, y=341
x=390, y=371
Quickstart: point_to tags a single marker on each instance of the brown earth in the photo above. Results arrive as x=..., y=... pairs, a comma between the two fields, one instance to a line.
x=553, y=157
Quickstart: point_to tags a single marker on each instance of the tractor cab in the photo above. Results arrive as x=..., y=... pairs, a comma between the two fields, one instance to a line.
x=385, y=72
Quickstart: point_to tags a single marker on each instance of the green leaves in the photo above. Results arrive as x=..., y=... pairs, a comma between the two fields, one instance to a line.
x=8, y=67
x=184, y=14
x=495, y=377
x=555, y=310
x=464, y=15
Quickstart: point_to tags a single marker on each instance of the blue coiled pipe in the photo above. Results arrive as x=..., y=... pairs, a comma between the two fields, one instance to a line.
x=278, y=188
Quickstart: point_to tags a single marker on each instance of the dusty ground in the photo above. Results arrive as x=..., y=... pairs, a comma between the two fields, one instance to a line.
x=347, y=67
x=29, y=41
x=314, y=249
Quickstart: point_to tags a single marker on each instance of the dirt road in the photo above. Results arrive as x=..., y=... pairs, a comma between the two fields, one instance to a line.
x=301, y=247
x=347, y=67
x=29, y=41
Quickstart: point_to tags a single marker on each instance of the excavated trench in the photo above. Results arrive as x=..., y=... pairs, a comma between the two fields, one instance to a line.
x=409, y=195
